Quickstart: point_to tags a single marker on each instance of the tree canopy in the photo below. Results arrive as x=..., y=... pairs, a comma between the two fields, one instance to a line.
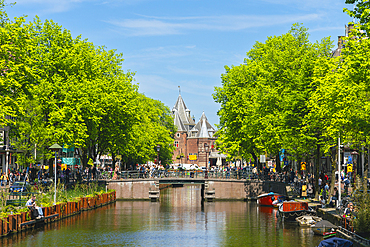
x=264, y=101
x=60, y=89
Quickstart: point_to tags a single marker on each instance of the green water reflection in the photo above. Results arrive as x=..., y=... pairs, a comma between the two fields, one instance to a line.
x=179, y=219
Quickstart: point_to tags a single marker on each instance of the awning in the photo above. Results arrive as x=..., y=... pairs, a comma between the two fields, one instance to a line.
x=215, y=155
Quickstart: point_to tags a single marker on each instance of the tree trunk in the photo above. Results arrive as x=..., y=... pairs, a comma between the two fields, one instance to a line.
x=84, y=157
x=278, y=165
x=256, y=161
x=333, y=169
x=113, y=160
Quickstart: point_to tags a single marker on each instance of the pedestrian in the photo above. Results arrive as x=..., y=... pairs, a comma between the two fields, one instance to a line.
x=89, y=174
x=325, y=190
x=116, y=170
x=349, y=210
x=334, y=198
x=310, y=190
x=228, y=171
x=322, y=202
x=336, y=176
x=36, y=212
x=2, y=178
x=291, y=176
x=94, y=172
x=304, y=190
x=347, y=182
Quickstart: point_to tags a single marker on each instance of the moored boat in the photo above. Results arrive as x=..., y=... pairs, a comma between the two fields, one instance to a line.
x=323, y=227
x=339, y=242
x=330, y=234
x=290, y=210
x=270, y=199
x=307, y=220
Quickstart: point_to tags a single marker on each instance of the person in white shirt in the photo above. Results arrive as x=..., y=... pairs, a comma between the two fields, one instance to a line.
x=36, y=211
x=322, y=202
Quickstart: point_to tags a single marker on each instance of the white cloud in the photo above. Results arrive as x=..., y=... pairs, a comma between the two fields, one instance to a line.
x=180, y=25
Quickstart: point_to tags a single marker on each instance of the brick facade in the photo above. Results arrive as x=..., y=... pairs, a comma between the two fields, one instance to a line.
x=191, y=138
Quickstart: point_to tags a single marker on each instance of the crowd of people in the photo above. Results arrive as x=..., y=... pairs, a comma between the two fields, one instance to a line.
x=12, y=176
x=65, y=175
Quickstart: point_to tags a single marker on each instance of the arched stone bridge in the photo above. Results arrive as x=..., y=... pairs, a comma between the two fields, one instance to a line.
x=212, y=188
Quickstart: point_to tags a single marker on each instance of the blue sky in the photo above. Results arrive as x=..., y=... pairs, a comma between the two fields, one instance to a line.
x=186, y=43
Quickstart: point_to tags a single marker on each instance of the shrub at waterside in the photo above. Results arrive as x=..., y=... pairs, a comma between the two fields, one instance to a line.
x=45, y=198
x=361, y=220
x=70, y=202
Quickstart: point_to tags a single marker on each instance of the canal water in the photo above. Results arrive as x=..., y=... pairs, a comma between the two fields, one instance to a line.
x=179, y=219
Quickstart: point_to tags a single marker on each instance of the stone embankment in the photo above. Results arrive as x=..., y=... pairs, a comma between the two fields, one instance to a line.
x=19, y=222
x=345, y=227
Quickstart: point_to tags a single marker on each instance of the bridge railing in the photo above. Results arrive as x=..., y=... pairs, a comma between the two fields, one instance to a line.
x=187, y=174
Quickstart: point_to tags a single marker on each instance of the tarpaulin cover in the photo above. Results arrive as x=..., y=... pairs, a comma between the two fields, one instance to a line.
x=335, y=242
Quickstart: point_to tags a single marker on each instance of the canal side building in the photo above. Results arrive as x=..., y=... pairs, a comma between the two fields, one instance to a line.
x=194, y=142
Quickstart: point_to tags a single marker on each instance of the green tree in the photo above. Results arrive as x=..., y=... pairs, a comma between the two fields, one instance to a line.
x=155, y=127
x=361, y=12
x=264, y=101
x=66, y=90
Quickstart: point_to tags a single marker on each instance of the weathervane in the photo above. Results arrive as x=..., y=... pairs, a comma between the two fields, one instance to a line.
x=179, y=90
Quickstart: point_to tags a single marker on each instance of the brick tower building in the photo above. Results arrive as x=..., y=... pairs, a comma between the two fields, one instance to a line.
x=194, y=143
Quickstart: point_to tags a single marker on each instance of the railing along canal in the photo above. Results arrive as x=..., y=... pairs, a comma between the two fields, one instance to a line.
x=187, y=174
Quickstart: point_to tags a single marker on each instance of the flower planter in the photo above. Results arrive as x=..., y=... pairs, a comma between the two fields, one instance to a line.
x=84, y=203
x=63, y=209
x=11, y=222
x=23, y=217
x=19, y=221
x=90, y=202
x=5, y=226
x=1, y=227
x=57, y=209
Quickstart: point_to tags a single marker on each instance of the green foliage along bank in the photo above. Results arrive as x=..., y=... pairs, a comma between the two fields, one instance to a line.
x=264, y=101
x=293, y=94
x=63, y=89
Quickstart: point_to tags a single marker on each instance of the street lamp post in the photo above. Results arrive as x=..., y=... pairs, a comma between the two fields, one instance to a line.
x=206, y=149
x=158, y=149
x=55, y=147
x=339, y=177
x=354, y=160
x=7, y=128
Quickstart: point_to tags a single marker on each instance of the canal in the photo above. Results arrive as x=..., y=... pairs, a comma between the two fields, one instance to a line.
x=179, y=219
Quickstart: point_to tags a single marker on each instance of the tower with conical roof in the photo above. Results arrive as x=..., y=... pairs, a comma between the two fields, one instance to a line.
x=194, y=142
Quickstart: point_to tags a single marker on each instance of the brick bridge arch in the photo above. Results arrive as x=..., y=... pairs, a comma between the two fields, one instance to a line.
x=220, y=189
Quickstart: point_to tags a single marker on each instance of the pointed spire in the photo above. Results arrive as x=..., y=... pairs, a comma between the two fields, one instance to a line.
x=177, y=121
x=203, y=117
x=203, y=130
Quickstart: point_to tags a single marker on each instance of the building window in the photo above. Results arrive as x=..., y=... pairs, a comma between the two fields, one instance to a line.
x=176, y=144
x=178, y=135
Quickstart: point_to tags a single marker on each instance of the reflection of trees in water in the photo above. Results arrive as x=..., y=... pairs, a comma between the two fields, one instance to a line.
x=181, y=205
x=179, y=216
